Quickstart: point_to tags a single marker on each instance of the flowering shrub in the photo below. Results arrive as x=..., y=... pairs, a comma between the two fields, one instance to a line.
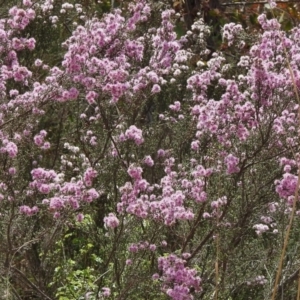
x=126, y=165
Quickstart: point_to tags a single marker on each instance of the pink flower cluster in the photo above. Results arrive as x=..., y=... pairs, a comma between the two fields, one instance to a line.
x=286, y=187
x=28, y=211
x=135, y=134
x=177, y=278
x=106, y=292
x=165, y=201
x=260, y=228
x=20, y=44
x=141, y=246
x=62, y=194
x=230, y=31
x=39, y=140
x=20, y=18
x=119, y=73
x=111, y=221
x=10, y=148
x=232, y=164
x=89, y=175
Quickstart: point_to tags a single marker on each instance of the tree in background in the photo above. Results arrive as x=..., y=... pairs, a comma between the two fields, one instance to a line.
x=136, y=164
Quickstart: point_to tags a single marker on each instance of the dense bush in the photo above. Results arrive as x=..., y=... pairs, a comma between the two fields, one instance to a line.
x=131, y=171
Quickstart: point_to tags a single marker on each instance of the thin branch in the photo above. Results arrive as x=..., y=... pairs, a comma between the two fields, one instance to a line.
x=193, y=230
x=31, y=283
x=289, y=280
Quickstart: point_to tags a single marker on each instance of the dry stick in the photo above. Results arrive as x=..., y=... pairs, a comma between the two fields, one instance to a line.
x=217, y=262
x=298, y=292
x=217, y=250
x=286, y=238
x=31, y=283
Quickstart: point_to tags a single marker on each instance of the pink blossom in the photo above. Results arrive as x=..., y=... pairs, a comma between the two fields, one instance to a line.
x=38, y=140
x=91, y=96
x=260, y=228
x=135, y=172
x=11, y=149
x=152, y=247
x=106, y=292
x=46, y=146
x=155, y=89
x=232, y=164
x=56, y=203
x=195, y=145
x=89, y=175
x=111, y=221
x=161, y=153
x=135, y=134
x=79, y=217
x=44, y=188
x=164, y=243
x=12, y=171
x=26, y=210
x=133, y=248
x=176, y=106
x=177, y=278
x=27, y=2
x=148, y=161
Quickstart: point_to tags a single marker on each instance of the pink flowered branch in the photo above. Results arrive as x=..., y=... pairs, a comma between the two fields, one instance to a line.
x=109, y=64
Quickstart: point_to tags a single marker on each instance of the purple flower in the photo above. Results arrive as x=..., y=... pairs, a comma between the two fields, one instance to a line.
x=106, y=292
x=155, y=89
x=111, y=221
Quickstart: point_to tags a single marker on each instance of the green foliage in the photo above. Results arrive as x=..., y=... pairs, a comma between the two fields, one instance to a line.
x=73, y=277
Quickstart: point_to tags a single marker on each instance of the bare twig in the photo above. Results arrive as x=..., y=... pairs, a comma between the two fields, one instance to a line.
x=31, y=283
